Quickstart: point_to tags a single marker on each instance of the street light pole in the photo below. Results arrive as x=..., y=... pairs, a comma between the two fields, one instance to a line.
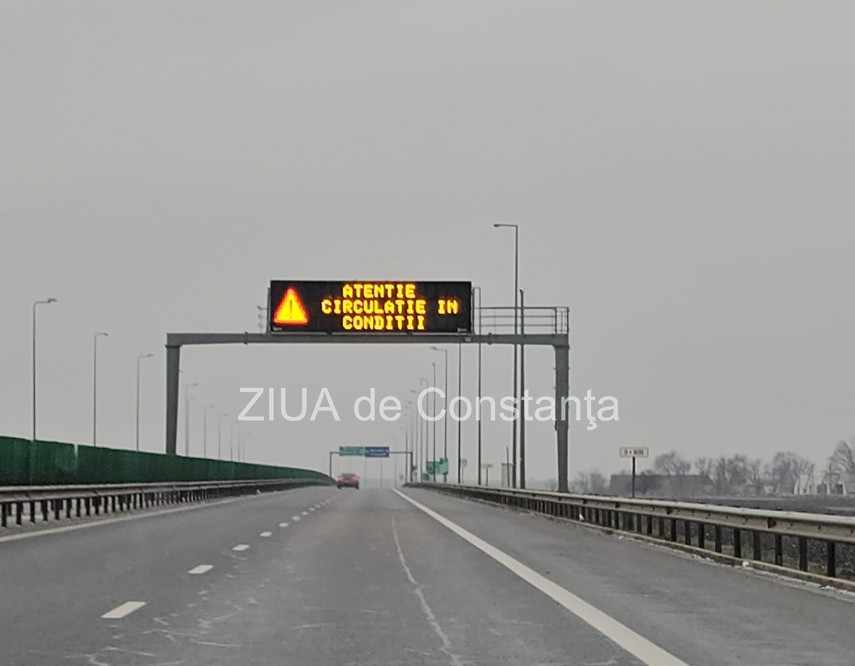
x=422, y=435
x=139, y=358
x=516, y=229
x=95, y=386
x=187, y=388
x=37, y=303
x=445, y=416
x=220, y=436
x=433, y=417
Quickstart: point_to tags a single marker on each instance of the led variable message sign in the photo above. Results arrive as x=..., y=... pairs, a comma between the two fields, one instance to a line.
x=302, y=306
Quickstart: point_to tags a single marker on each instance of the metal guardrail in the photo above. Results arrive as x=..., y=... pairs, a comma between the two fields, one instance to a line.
x=819, y=546
x=25, y=503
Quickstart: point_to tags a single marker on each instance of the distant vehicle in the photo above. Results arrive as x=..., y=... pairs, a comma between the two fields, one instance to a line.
x=347, y=480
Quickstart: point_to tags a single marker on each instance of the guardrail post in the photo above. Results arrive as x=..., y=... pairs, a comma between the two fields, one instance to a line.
x=779, y=550
x=717, y=530
x=831, y=559
x=673, y=534
x=737, y=542
x=4, y=509
x=687, y=532
x=758, y=550
x=19, y=506
x=702, y=536
x=803, y=554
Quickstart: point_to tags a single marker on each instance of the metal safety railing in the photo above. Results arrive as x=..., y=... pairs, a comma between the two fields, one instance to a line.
x=19, y=504
x=539, y=319
x=817, y=547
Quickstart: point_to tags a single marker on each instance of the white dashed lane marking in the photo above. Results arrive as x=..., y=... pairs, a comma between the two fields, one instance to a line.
x=265, y=535
x=305, y=513
x=201, y=569
x=296, y=519
x=284, y=525
x=123, y=610
x=241, y=547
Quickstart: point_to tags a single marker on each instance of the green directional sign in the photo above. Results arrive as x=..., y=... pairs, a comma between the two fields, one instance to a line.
x=351, y=451
x=437, y=466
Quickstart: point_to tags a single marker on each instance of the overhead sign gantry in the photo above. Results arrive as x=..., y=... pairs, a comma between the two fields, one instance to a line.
x=386, y=312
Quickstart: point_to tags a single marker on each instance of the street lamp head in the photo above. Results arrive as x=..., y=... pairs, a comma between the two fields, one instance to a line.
x=101, y=334
x=51, y=300
x=146, y=356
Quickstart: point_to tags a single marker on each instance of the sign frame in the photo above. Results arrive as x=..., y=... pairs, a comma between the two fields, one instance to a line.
x=381, y=307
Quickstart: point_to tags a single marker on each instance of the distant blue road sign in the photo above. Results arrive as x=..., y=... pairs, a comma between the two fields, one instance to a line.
x=376, y=451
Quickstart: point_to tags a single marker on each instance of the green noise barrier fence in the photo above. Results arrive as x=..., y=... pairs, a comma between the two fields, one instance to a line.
x=24, y=462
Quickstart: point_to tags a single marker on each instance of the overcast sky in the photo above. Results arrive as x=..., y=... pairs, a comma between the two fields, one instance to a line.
x=682, y=174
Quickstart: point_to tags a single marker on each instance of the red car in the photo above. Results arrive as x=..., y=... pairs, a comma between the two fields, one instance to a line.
x=347, y=480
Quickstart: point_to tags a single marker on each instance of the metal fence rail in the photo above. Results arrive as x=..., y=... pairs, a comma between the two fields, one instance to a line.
x=21, y=504
x=820, y=547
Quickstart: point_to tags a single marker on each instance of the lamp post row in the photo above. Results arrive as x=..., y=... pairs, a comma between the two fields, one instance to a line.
x=140, y=358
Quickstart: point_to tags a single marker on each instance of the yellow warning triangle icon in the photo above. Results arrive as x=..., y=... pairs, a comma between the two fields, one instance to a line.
x=291, y=310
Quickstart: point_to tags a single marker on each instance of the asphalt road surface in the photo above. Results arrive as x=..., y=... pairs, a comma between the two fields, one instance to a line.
x=370, y=577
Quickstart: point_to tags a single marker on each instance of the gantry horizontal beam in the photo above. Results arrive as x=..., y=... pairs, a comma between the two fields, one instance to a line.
x=182, y=339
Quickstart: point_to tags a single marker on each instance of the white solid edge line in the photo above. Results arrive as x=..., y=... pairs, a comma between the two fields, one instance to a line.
x=284, y=525
x=264, y=535
x=123, y=610
x=634, y=643
x=241, y=547
x=201, y=569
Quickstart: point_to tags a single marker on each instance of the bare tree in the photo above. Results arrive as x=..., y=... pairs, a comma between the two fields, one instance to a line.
x=704, y=466
x=758, y=477
x=592, y=482
x=786, y=471
x=843, y=457
x=672, y=463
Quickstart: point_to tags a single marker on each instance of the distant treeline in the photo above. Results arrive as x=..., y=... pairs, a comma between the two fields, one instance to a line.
x=785, y=474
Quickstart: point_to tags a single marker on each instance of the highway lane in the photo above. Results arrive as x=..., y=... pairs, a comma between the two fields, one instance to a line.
x=367, y=577
x=61, y=579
